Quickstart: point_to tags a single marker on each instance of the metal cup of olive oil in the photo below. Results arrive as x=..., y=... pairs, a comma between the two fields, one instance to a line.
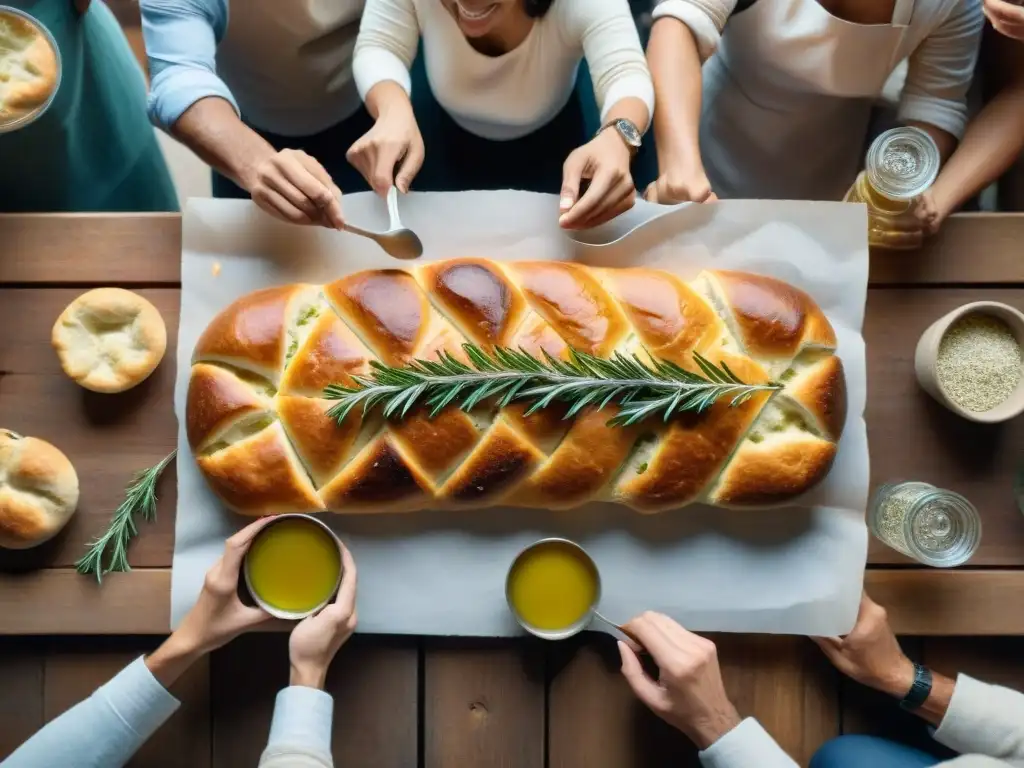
x=293, y=567
x=553, y=589
x=931, y=525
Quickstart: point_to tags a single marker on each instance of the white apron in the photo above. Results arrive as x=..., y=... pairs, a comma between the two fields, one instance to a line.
x=288, y=63
x=788, y=96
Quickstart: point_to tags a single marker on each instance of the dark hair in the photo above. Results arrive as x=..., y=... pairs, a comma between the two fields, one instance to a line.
x=537, y=8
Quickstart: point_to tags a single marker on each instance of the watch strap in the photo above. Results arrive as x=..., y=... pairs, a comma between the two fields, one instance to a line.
x=920, y=690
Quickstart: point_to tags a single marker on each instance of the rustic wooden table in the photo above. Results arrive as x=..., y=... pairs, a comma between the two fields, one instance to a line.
x=409, y=701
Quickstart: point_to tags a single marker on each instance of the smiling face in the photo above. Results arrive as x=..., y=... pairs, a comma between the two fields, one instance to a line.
x=477, y=18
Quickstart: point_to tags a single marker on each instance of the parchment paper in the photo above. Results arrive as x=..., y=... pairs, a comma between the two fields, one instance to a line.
x=797, y=570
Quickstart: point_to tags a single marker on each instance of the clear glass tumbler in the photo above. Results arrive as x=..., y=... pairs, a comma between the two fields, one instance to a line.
x=931, y=525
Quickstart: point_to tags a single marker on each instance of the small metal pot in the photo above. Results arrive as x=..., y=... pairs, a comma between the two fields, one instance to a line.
x=592, y=619
x=293, y=615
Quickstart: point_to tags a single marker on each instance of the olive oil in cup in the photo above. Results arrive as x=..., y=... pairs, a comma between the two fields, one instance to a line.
x=553, y=589
x=293, y=566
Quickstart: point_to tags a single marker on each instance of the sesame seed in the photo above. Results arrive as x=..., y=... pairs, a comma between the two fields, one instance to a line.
x=979, y=362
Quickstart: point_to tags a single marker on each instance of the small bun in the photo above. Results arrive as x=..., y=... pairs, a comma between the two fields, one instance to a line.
x=38, y=491
x=109, y=339
x=29, y=71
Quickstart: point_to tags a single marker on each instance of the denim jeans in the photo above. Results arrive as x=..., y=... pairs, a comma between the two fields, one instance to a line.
x=870, y=752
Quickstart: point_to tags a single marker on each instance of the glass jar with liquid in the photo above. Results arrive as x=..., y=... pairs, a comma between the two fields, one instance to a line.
x=900, y=165
x=933, y=526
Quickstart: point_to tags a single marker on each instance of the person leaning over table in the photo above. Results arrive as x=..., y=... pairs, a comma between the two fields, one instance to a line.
x=92, y=150
x=983, y=722
x=784, y=106
x=503, y=72
x=995, y=138
x=264, y=94
x=105, y=730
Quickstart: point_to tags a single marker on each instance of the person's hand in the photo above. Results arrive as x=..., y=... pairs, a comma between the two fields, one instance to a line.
x=870, y=654
x=390, y=153
x=1006, y=17
x=219, y=616
x=315, y=640
x=293, y=186
x=689, y=693
x=929, y=212
x=679, y=186
x=604, y=161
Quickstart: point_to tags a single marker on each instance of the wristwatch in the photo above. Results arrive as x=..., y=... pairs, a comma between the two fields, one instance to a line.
x=628, y=132
x=920, y=690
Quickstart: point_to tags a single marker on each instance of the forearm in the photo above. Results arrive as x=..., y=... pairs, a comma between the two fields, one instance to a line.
x=675, y=63
x=979, y=718
x=945, y=141
x=748, y=744
x=300, y=733
x=994, y=140
x=106, y=729
x=213, y=130
x=387, y=97
x=632, y=109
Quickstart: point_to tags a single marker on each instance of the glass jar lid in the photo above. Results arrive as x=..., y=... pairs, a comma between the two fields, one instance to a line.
x=902, y=163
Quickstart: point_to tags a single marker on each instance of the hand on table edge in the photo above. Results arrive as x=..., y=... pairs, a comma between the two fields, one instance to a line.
x=316, y=640
x=871, y=655
x=689, y=694
x=218, y=616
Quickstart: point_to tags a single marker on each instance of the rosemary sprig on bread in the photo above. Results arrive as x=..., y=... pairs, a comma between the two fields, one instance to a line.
x=140, y=499
x=638, y=389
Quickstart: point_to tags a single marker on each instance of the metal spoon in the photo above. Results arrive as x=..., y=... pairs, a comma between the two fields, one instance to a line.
x=399, y=242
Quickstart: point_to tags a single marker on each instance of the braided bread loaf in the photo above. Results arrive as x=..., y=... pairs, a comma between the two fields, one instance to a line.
x=258, y=427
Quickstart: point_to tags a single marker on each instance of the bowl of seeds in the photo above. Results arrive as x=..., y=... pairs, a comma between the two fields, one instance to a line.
x=970, y=361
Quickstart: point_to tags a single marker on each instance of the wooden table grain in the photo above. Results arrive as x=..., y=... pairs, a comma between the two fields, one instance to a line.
x=438, y=702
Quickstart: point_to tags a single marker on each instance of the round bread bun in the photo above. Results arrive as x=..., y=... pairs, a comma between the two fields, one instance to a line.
x=38, y=491
x=29, y=70
x=109, y=339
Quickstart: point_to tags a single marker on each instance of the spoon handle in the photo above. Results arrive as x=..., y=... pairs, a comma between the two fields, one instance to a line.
x=396, y=220
x=361, y=232
x=618, y=632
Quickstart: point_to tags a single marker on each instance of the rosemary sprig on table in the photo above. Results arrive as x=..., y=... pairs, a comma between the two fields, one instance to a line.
x=140, y=498
x=639, y=389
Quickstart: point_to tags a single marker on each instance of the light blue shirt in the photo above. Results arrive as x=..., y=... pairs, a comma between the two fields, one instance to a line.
x=105, y=730
x=286, y=67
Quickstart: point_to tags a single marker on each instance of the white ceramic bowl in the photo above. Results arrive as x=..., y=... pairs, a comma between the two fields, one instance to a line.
x=928, y=351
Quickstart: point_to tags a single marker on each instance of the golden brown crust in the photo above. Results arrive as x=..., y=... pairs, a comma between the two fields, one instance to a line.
x=38, y=491
x=760, y=328
x=774, y=319
x=774, y=471
x=109, y=339
x=250, y=333
x=29, y=70
x=216, y=398
x=260, y=476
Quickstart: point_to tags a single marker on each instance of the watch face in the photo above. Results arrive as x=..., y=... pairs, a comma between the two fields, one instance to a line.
x=629, y=132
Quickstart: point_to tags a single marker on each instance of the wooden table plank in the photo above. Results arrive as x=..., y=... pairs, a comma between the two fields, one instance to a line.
x=998, y=660
x=375, y=686
x=596, y=722
x=920, y=602
x=21, y=691
x=73, y=670
x=146, y=248
x=971, y=248
x=107, y=437
x=102, y=249
x=914, y=438
x=483, y=704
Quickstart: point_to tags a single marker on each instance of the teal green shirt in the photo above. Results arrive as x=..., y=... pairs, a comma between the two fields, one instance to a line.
x=94, y=148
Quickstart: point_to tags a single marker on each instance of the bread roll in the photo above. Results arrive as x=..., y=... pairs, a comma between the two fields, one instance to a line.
x=256, y=419
x=38, y=491
x=109, y=340
x=29, y=71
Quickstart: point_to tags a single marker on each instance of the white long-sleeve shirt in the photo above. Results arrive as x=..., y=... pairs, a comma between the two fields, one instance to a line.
x=940, y=46
x=985, y=723
x=512, y=95
x=105, y=730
